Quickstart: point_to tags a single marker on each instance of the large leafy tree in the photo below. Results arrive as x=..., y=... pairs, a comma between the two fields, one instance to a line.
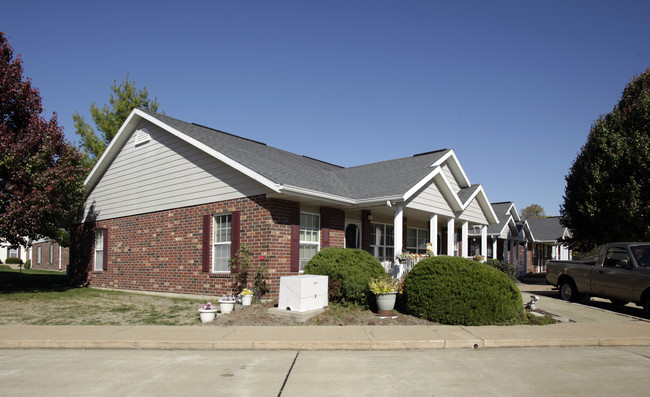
x=607, y=194
x=533, y=211
x=108, y=120
x=41, y=174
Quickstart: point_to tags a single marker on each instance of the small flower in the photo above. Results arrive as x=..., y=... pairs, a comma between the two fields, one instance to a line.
x=209, y=306
x=262, y=258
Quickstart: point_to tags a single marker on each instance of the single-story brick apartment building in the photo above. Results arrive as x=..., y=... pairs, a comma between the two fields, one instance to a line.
x=169, y=202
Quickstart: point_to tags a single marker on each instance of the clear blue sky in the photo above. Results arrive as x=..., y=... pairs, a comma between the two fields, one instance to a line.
x=513, y=87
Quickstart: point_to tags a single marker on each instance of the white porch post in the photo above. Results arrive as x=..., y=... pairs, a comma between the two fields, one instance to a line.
x=450, y=237
x=484, y=242
x=433, y=234
x=464, y=239
x=398, y=225
x=495, y=247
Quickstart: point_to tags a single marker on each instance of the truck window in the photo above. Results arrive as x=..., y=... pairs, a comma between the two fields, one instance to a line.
x=641, y=254
x=614, y=256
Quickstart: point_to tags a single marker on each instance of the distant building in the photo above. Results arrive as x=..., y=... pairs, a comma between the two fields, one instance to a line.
x=47, y=254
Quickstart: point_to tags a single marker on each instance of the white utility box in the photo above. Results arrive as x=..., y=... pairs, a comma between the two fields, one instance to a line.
x=303, y=293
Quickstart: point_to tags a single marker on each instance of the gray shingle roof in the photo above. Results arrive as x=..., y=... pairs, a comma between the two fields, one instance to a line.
x=381, y=179
x=501, y=211
x=546, y=229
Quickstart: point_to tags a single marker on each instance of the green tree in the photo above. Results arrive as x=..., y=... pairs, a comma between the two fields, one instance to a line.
x=41, y=174
x=108, y=120
x=533, y=211
x=607, y=193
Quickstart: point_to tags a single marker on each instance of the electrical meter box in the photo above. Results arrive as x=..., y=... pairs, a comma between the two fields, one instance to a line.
x=303, y=293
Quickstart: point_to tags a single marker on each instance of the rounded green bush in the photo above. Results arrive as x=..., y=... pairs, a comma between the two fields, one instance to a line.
x=505, y=267
x=348, y=270
x=457, y=291
x=14, y=261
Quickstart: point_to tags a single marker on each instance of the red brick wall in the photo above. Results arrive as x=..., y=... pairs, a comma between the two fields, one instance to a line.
x=45, y=263
x=162, y=251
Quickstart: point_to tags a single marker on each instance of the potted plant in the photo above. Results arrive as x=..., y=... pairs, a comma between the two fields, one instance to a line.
x=385, y=290
x=246, y=297
x=227, y=304
x=208, y=312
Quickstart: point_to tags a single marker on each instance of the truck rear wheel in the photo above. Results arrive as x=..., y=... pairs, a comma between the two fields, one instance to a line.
x=646, y=306
x=568, y=291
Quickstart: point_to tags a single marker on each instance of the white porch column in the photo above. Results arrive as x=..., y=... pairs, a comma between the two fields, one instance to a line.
x=450, y=237
x=433, y=234
x=464, y=239
x=494, y=247
x=398, y=225
x=484, y=242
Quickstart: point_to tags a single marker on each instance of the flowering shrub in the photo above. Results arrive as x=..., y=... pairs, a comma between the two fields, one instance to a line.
x=227, y=298
x=209, y=306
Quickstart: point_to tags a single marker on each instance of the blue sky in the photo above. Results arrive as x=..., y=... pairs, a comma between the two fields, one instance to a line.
x=512, y=86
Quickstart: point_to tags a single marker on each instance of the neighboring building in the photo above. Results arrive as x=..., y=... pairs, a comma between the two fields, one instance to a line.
x=547, y=235
x=169, y=202
x=47, y=254
x=508, y=237
x=7, y=251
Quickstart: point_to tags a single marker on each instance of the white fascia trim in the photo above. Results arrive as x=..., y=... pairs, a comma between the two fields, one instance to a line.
x=112, y=143
x=446, y=189
x=218, y=155
x=487, y=207
x=463, y=176
x=512, y=210
x=484, y=203
x=422, y=183
x=214, y=153
x=295, y=190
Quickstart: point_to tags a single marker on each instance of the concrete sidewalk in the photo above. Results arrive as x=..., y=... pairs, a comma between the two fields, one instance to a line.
x=581, y=326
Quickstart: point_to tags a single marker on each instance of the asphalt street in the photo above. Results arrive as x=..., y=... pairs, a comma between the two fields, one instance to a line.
x=556, y=371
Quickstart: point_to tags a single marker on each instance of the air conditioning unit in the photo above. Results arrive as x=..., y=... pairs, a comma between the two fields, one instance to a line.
x=303, y=293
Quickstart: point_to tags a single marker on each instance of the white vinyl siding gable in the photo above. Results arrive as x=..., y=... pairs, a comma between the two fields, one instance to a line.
x=474, y=213
x=450, y=176
x=165, y=173
x=430, y=199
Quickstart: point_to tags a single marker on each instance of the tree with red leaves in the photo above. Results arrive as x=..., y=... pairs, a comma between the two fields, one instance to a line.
x=41, y=174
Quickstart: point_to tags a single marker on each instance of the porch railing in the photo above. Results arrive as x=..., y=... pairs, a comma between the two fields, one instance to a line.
x=402, y=264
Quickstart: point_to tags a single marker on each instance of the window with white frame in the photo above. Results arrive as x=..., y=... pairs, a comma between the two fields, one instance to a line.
x=39, y=254
x=221, y=242
x=416, y=240
x=51, y=253
x=309, y=237
x=382, y=241
x=99, y=250
x=14, y=253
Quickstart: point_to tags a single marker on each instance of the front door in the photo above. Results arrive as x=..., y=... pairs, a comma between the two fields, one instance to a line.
x=353, y=235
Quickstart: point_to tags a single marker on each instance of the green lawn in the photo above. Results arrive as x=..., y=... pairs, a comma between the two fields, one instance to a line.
x=40, y=297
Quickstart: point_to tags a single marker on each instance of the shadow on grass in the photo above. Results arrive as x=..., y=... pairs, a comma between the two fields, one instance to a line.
x=14, y=281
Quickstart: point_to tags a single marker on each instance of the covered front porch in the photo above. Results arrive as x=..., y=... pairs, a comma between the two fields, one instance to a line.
x=400, y=236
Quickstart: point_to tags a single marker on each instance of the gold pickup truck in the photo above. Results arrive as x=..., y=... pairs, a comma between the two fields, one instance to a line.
x=621, y=274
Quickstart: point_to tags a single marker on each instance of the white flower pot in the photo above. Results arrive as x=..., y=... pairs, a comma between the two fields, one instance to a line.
x=226, y=306
x=246, y=300
x=386, y=302
x=207, y=315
